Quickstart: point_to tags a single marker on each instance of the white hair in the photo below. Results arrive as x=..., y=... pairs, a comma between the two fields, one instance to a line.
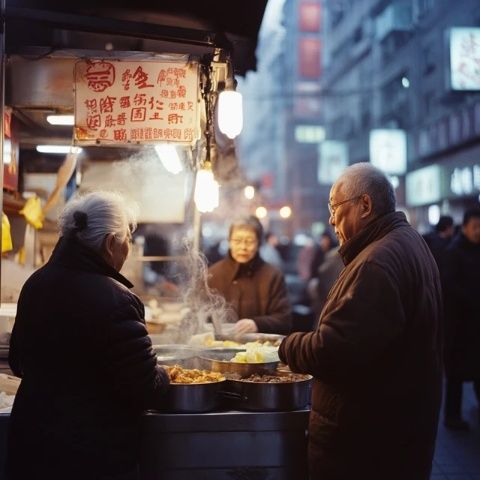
x=92, y=216
x=363, y=177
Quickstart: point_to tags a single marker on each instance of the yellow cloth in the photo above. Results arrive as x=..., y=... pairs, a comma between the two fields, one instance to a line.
x=6, y=235
x=32, y=211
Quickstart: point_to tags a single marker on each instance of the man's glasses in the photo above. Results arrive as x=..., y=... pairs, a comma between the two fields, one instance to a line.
x=331, y=208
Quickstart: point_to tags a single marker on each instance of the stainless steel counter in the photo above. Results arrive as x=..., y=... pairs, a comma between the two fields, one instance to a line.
x=229, y=445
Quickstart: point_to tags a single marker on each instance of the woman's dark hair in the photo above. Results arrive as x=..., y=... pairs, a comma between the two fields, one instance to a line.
x=469, y=214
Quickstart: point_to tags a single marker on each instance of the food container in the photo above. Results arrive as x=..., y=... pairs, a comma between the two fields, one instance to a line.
x=202, y=395
x=268, y=397
x=218, y=360
x=194, y=397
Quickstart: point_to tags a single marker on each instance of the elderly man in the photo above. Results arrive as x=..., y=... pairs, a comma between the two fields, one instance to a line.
x=376, y=353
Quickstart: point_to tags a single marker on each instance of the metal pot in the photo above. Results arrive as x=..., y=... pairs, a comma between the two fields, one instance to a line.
x=173, y=354
x=193, y=397
x=268, y=397
x=218, y=360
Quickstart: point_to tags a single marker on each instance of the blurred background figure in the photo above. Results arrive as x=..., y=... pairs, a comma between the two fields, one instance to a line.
x=269, y=251
x=254, y=289
x=461, y=285
x=439, y=238
x=326, y=274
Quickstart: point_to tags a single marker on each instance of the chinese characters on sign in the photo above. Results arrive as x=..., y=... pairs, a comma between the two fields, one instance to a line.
x=136, y=102
x=465, y=58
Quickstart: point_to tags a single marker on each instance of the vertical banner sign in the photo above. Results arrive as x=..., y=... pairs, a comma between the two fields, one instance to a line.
x=465, y=58
x=138, y=102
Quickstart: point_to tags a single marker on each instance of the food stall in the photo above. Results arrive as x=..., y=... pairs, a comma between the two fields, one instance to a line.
x=167, y=68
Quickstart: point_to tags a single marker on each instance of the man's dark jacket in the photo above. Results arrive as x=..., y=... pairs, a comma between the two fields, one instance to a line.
x=254, y=290
x=376, y=359
x=88, y=370
x=461, y=282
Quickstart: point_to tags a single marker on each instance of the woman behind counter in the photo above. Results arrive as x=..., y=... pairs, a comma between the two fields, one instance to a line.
x=254, y=289
x=81, y=347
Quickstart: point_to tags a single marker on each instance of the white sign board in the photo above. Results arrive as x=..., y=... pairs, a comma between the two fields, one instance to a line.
x=465, y=58
x=142, y=102
x=424, y=186
x=388, y=150
x=332, y=161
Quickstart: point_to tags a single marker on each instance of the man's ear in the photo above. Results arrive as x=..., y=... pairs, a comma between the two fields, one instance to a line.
x=109, y=241
x=366, y=206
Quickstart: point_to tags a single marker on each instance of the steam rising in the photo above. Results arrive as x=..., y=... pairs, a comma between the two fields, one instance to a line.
x=204, y=304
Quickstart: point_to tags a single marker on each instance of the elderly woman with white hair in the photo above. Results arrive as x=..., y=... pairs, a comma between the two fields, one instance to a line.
x=80, y=345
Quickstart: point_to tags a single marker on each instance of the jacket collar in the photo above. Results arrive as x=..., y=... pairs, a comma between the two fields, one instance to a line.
x=71, y=253
x=236, y=270
x=375, y=230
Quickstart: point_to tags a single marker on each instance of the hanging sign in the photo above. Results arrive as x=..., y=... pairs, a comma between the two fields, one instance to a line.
x=465, y=58
x=138, y=102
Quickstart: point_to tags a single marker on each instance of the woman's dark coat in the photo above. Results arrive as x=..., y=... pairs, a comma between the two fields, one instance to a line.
x=254, y=290
x=376, y=359
x=88, y=371
x=461, y=286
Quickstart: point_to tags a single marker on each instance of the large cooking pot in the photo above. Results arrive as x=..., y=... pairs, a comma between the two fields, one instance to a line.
x=193, y=397
x=218, y=360
x=268, y=397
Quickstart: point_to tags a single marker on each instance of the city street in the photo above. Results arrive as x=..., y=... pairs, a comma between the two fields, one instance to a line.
x=457, y=454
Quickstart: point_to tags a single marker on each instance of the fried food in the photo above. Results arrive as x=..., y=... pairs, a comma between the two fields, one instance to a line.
x=178, y=374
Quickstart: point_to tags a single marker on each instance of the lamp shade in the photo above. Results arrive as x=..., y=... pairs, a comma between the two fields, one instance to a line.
x=230, y=113
x=206, y=194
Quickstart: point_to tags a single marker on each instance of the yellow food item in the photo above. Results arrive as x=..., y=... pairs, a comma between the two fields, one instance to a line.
x=178, y=374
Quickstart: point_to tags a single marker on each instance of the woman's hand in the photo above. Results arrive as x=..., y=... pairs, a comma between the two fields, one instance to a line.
x=245, y=325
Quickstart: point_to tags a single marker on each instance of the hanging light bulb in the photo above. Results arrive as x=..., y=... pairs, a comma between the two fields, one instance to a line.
x=230, y=113
x=206, y=189
x=169, y=157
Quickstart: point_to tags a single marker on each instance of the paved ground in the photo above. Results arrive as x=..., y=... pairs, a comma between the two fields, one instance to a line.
x=457, y=454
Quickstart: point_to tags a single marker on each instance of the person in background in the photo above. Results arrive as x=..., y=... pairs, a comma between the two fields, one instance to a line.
x=439, y=239
x=461, y=286
x=254, y=289
x=376, y=354
x=327, y=272
x=269, y=252
x=80, y=345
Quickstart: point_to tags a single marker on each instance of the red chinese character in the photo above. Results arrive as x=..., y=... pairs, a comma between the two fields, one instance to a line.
x=141, y=78
x=182, y=91
x=121, y=118
x=106, y=104
x=169, y=82
x=124, y=102
x=94, y=122
x=120, y=134
x=103, y=133
x=100, y=75
x=188, y=134
x=173, y=106
x=181, y=106
x=162, y=75
x=148, y=133
x=138, y=114
x=126, y=77
x=175, y=118
x=155, y=116
x=91, y=105
x=110, y=121
x=164, y=93
x=190, y=106
x=173, y=94
x=140, y=99
x=157, y=104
